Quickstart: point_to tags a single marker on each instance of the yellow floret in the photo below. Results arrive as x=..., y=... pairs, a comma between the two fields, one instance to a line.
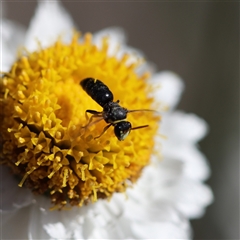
x=42, y=114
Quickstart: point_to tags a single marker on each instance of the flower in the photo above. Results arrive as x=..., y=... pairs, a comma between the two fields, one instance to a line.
x=168, y=193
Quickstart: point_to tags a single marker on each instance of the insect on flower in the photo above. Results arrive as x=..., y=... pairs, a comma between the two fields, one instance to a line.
x=112, y=112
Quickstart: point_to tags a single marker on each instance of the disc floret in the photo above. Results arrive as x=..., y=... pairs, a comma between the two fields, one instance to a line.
x=43, y=112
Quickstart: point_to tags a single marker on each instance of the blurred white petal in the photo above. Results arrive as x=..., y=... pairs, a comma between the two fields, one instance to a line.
x=165, y=230
x=157, y=221
x=116, y=37
x=168, y=88
x=117, y=44
x=183, y=131
x=192, y=197
x=135, y=55
x=195, y=163
x=49, y=22
x=57, y=231
x=184, y=127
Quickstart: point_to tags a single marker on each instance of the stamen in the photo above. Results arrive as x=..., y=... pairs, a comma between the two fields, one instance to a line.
x=26, y=175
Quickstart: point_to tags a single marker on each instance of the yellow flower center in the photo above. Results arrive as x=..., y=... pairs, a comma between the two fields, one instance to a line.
x=43, y=114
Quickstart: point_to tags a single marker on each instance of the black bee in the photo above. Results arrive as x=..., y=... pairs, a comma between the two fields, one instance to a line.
x=112, y=112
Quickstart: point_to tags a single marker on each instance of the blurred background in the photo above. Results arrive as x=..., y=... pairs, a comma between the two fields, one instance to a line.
x=200, y=42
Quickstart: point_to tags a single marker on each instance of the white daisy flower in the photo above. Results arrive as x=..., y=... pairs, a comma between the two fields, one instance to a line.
x=43, y=102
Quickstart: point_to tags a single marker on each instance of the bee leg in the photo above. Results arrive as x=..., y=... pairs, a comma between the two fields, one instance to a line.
x=90, y=123
x=94, y=113
x=104, y=130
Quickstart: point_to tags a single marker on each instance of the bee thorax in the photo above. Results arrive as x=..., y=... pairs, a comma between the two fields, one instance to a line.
x=112, y=112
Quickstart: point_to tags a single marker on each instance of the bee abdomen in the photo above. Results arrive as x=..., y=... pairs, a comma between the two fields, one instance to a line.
x=97, y=90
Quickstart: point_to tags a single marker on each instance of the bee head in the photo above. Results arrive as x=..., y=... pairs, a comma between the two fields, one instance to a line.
x=122, y=129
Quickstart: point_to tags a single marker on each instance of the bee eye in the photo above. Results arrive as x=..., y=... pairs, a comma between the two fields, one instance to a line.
x=122, y=129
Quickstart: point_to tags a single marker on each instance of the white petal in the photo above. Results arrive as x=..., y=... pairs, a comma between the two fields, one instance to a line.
x=159, y=176
x=116, y=38
x=190, y=197
x=157, y=221
x=118, y=48
x=108, y=210
x=49, y=22
x=57, y=231
x=12, y=37
x=45, y=224
x=170, y=182
x=184, y=127
x=182, y=131
x=167, y=87
x=195, y=163
x=14, y=196
x=160, y=230
x=94, y=220
x=135, y=55
x=111, y=231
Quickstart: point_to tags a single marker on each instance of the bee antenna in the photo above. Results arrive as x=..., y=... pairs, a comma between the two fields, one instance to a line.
x=139, y=127
x=142, y=110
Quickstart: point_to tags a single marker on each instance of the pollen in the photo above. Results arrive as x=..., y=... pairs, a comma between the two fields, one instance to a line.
x=43, y=114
